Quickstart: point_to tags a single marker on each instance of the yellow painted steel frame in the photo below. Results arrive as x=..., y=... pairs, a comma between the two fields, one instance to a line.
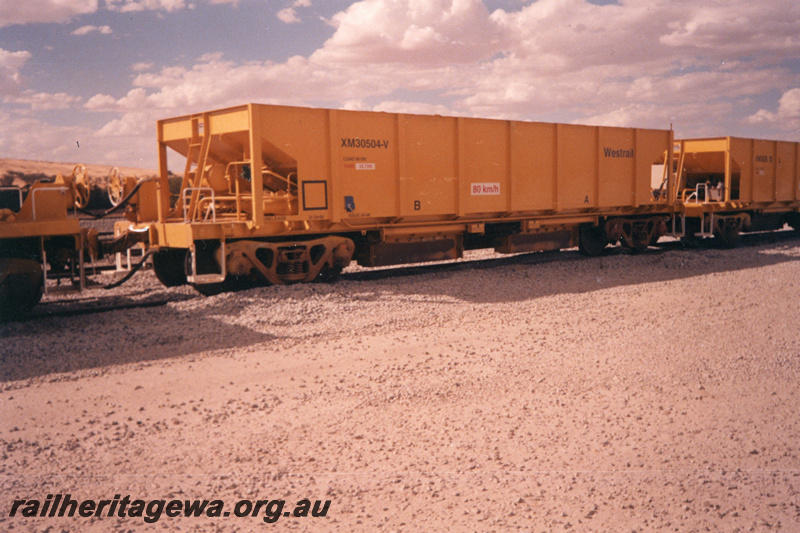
x=43, y=219
x=727, y=185
x=294, y=172
x=42, y=214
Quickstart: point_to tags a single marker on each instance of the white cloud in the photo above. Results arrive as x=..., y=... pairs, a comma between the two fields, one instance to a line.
x=10, y=65
x=787, y=116
x=422, y=32
x=565, y=56
x=136, y=124
x=288, y=16
x=762, y=116
x=556, y=36
x=101, y=102
x=418, y=108
x=53, y=143
x=44, y=11
x=127, y=6
x=119, y=143
x=141, y=67
x=572, y=57
x=32, y=11
x=644, y=63
x=44, y=101
x=85, y=30
x=790, y=104
x=738, y=28
x=12, y=89
x=690, y=119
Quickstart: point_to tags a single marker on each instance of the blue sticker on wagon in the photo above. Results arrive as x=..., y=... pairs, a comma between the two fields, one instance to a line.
x=349, y=204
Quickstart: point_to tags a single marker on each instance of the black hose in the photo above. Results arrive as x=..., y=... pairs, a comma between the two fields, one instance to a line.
x=130, y=274
x=121, y=204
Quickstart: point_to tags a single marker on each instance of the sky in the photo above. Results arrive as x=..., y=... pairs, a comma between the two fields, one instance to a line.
x=86, y=80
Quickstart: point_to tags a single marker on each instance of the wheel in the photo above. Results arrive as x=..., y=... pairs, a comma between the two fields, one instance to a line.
x=82, y=194
x=729, y=236
x=328, y=274
x=591, y=240
x=115, y=187
x=654, y=239
x=794, y=222
x=206, y=263
x=640, y=238
x=21, y=286
x=169, y=266
x=82, y=186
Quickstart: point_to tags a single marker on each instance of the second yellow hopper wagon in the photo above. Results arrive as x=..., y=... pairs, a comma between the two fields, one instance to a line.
x=728, y=185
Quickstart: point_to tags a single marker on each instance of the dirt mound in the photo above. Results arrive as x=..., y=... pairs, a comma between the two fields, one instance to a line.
x=16, y=172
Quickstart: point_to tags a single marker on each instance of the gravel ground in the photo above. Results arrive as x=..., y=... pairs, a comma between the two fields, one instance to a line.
x=540, y=392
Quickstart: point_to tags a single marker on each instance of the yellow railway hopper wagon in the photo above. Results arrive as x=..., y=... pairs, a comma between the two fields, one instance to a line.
x=728, y=185
x=287, y=194
x=38, y=239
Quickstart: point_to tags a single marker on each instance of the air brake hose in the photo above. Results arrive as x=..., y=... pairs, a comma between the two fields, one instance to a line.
x=134, y=269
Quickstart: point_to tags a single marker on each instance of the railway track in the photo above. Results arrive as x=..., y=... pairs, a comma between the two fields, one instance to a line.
x=103, y=303
x=750, y=239
x=66, y=308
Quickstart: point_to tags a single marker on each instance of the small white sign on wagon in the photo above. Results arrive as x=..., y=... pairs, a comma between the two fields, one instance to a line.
x=485, y=189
